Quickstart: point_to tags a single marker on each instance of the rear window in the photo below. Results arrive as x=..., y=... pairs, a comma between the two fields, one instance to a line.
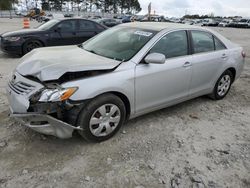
x=202, y=41
x=206, y=42
x=218, y=44
x=86, y=25
x=98, y=26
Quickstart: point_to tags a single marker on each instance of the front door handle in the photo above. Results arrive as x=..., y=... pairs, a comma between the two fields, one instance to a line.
x=224, y=56
x=187, y=64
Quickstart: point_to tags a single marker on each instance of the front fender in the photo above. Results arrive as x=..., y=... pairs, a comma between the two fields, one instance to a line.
x=121, y=81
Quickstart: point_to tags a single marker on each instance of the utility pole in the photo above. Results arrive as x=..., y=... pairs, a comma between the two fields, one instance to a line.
x=149, y=11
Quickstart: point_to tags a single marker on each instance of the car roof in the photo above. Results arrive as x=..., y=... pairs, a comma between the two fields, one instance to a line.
x=158, y=26
x=73, y=18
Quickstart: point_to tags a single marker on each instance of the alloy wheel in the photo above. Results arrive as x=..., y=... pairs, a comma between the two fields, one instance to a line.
x=32, y=45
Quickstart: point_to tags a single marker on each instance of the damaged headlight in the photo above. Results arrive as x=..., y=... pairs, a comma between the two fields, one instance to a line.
x=56, y=95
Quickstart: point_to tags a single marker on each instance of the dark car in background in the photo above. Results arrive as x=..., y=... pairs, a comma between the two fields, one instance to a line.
x=243, y=23
x=108, y=22
x=56, y=32
x=126, y=19
x=234, y=23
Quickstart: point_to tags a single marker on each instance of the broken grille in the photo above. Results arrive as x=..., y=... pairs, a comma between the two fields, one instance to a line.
x=21, y=87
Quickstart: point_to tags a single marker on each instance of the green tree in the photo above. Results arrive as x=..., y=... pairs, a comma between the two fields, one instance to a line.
x=111, y=6
x=6, y=4
x=45, y=5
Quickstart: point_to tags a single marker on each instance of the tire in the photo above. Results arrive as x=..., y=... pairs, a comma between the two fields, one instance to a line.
x=222, y=86
x=30, y=45
x=97, y=122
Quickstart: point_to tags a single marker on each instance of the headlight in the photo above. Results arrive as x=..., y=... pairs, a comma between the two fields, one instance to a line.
x=12, y=39
x=56, y=95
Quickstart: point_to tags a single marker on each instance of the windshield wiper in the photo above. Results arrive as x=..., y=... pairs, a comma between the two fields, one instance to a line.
x=94, y=52
x=80, y=45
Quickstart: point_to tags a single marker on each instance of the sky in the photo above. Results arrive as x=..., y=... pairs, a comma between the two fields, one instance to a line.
x=178, y=8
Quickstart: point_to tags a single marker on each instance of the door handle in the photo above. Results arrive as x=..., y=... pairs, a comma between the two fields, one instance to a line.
x=224, y=56
x=187, y=64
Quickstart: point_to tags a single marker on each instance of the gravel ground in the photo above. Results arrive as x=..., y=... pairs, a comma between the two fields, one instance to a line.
x=199, y=143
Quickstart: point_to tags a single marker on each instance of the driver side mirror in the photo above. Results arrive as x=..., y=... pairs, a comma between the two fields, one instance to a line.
x=155, y=58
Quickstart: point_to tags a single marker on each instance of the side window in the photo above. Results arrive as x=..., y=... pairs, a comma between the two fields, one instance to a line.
x=202, y=42
x=98, y=26
x=86, y=25
x=218, y=44
x=172, y=45
x=68, y=26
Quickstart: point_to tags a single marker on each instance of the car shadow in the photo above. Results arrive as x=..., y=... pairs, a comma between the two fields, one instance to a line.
x=169, y=111
x=37, y=144
x=13, y=56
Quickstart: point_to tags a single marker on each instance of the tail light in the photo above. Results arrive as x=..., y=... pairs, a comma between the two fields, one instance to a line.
x=243, y=54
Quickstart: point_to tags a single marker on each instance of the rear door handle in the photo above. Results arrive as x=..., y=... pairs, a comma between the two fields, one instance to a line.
x=187, y=64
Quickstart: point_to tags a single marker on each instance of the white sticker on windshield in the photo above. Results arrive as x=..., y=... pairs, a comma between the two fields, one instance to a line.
x=143, y=33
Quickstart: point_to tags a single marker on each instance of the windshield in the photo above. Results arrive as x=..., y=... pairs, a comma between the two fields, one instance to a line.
x=48, y=25
x=119, y=43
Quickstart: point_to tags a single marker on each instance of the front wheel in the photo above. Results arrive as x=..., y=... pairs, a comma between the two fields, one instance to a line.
x=102, y=118
x=222, y=86
x=30, y=45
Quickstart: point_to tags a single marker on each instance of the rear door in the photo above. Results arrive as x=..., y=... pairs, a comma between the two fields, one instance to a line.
x=209, y=54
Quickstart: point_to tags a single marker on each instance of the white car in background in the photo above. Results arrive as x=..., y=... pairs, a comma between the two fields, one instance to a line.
x=244, y=23
x=225, y=23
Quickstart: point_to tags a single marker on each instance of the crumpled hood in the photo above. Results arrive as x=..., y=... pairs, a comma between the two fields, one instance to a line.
x=52, y=62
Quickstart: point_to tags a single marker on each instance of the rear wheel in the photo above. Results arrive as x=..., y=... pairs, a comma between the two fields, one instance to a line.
x=30, y=45
x=222, y=86
x=102, y=118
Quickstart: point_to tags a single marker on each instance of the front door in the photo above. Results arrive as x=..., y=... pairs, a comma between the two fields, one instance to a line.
x=158, y=85
x=64, y=33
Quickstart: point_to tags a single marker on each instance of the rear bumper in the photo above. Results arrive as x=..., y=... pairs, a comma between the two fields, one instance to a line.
x=46, y=124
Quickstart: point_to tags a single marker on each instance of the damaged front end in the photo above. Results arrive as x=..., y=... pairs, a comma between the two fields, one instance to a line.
x=43, y=108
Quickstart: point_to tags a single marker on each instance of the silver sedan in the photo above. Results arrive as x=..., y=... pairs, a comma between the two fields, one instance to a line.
x=124, y=72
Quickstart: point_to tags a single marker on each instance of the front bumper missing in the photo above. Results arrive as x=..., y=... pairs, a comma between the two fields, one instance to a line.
x=19, y=90
x=46, y=124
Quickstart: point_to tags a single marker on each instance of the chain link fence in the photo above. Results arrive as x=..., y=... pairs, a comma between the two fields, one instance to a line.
x=19, y=14
x=9, y=14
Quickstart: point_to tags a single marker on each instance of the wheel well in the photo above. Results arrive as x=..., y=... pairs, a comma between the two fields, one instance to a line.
x=125, y=101
x=233, y=71
x=31, y=40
